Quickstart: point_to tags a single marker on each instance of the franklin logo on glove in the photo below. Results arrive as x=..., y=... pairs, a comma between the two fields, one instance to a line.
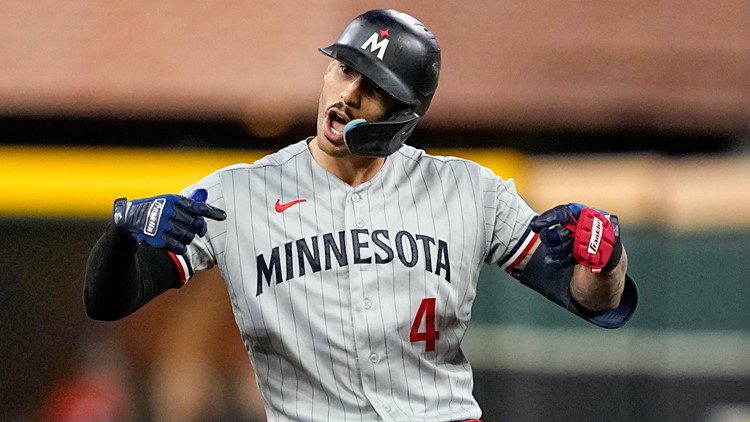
x=596, y=236
x=154, y=214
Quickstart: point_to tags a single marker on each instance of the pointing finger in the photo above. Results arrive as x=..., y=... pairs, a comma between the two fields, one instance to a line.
x=201, y=209
x=557, y=215
x=208, y=211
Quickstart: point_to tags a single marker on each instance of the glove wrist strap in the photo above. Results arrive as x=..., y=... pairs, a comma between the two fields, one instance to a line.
x=120, y=212
x=614, y=259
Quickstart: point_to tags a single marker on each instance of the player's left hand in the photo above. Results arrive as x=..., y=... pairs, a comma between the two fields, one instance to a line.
x=576, y=234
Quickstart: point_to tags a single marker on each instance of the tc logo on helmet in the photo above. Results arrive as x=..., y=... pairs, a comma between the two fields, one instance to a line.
x=375, y=44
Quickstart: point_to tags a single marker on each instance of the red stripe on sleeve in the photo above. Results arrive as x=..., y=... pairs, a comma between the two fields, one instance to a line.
x=179, y=267
x=523, y=254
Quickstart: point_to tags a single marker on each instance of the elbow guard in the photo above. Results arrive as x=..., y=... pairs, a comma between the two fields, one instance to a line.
x=554, y=284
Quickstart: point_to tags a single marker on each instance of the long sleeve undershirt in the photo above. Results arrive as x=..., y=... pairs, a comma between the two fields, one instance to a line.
x=122, y=276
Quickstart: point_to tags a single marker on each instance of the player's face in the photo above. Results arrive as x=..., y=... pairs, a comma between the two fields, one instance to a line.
x=347, y=95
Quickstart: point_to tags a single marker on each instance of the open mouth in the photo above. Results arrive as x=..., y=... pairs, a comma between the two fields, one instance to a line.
x=338, y=121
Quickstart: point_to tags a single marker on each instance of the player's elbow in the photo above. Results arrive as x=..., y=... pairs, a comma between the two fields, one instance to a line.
x=100, y=309
x=101, y=314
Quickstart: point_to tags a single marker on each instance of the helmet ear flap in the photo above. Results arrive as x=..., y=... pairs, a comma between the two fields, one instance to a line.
x=380, y=139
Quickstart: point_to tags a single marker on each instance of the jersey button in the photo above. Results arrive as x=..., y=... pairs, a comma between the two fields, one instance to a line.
x=387, y=408
x=374, y=358
x=355, y=197
x=360, y=223
x=367, y=303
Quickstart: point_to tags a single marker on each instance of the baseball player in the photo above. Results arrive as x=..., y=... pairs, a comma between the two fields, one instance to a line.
x=351, y=259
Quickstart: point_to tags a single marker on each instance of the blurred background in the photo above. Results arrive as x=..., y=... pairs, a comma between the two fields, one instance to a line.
x=640, y=107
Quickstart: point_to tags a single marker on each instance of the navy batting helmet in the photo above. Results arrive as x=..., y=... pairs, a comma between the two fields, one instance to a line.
x=400, y=55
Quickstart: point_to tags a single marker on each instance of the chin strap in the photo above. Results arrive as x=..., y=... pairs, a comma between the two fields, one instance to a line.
x=379, y=139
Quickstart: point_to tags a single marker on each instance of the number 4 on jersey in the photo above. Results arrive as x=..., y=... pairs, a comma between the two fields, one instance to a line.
x=425, y=312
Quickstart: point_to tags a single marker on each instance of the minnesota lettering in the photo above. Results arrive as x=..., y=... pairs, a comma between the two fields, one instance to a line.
x=321, y=253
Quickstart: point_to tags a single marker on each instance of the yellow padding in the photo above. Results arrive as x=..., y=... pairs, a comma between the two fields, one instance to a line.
x=82, y=182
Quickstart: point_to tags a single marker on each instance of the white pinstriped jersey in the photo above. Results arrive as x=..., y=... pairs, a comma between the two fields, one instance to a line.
x=352, y=302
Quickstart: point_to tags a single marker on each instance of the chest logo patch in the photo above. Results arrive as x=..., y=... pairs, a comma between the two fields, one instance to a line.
x=279, y=207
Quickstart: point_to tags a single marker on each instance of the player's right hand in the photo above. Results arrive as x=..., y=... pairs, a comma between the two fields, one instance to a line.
x=166, y=221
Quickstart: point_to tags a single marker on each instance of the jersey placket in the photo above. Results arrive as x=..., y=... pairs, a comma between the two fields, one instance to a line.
x=365, y=309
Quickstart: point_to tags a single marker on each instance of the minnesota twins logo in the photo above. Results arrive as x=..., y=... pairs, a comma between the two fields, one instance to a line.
x=374, y=43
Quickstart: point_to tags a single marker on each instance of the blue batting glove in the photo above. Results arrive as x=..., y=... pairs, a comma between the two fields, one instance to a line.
x=166, y=221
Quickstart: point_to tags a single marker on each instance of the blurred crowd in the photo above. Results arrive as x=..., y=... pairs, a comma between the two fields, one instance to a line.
x=180, y=359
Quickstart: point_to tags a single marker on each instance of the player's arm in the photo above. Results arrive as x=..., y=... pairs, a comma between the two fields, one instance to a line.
x=122, y=276
x=579, y=263
x=132, y=262
x=599, y=291
x=596, y=291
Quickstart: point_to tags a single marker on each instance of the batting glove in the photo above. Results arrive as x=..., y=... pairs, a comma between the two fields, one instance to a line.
x=576, y=234
x=166, y=221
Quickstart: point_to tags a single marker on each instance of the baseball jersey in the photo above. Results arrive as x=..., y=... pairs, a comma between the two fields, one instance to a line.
x=352, y=301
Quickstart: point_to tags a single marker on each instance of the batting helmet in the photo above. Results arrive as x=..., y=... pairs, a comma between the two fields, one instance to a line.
x=400, y=55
